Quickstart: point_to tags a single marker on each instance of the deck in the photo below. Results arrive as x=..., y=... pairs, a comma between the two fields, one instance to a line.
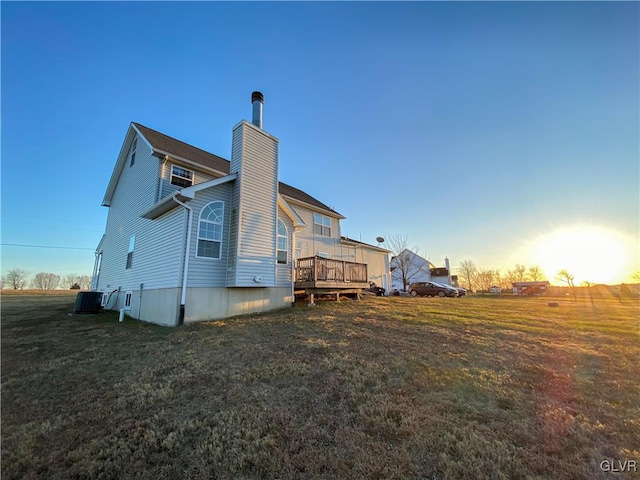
x=323, y=273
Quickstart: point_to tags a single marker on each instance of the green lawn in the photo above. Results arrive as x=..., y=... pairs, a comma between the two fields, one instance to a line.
x=384, y=388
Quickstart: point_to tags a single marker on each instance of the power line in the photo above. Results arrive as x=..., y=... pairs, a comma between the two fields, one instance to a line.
x=44, y=246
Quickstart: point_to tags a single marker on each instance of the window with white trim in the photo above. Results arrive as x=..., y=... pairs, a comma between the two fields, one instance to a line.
x=181, y=176
x=210, y=230
x=132, y=152
x=132, y=244
x=321, y=225
x=283, y=243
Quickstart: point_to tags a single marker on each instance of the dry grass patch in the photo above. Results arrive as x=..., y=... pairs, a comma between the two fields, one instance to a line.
x=384, y=388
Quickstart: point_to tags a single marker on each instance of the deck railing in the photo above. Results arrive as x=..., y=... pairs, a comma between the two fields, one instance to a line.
x=318, y=269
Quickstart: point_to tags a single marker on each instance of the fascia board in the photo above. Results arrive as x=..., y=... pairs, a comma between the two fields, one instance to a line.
x=163, y=206
x=195, y=165
x=117, y=169
x=184, y=195
x=314, y=208
x=291, y=213
x=363, y=245
x=190, y=192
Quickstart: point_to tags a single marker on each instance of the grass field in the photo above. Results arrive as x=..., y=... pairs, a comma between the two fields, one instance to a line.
x=386, y=388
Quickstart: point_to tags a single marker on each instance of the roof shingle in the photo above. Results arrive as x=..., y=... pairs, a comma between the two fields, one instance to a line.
x=173, y=147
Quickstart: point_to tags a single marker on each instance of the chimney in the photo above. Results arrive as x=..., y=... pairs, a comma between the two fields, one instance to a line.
x=254, y=203
x=257, y=100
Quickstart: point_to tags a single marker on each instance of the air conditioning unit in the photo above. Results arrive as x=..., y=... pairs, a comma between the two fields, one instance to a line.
x=88, y=302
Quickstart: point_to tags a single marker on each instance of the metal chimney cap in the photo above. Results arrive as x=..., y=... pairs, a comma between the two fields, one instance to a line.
x=257, y=96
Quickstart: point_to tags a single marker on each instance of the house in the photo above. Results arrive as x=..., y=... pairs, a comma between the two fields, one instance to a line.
x=530, y=288
x=408, y=267
x=192, y=236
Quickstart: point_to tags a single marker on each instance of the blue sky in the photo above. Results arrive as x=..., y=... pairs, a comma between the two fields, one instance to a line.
x=473, y=128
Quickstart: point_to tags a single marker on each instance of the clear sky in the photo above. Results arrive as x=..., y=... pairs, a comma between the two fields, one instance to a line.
x=479, y=130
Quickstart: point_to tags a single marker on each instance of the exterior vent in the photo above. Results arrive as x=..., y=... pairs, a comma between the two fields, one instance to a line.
x=88, y=302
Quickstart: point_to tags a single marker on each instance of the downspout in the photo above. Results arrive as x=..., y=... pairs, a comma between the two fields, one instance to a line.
x=293, y=266
x=94, y=279
x=163, y=163
x=185, y=267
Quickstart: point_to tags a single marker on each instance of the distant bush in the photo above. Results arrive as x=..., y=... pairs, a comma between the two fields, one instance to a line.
x=75, y=286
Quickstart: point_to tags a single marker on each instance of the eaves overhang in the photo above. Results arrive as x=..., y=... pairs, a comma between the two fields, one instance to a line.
x=183, y=195
x=330, y=213
x=186, y=161
x=291, y=213
x=355, y=243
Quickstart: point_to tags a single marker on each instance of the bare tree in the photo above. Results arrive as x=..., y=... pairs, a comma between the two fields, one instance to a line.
x=404, y=265
x=521, y=273
x=46, y=281
x=535, y=273
x=589, y=285
x=468, y=270
x=564, y=276
x=485, y=278
x=504, y=281
x=16, y=278
x=70, y=280
x=85, y=282
x=510, y=278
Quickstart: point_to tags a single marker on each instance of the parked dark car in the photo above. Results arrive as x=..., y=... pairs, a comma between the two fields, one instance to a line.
x=461, y=291
x=432, y=289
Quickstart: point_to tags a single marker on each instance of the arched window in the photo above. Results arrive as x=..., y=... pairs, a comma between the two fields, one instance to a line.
x=210, y=230
x=283, y=243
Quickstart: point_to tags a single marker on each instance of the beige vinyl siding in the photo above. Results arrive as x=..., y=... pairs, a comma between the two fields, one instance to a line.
x=283, y=271
x=309, y=243
x=156, y=258
x=210, y=272
x=256, y=187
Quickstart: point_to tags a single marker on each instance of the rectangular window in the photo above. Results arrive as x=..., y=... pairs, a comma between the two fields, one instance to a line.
x=282, y=239
x=132, y=244
x=321, y=225
x=181, y=176
x=133, y=152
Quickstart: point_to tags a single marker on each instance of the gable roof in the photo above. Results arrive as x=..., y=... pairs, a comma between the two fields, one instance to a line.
x=413, y=258
x=351, y=241
x=165, y=145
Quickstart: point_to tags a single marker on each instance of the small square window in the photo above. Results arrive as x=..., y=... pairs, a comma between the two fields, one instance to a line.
x=181, y=177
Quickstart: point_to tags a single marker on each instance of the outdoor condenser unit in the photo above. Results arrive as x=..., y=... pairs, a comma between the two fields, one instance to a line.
x=88, y=302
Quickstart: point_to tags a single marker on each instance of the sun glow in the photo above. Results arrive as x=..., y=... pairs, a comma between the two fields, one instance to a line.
x=589, y=253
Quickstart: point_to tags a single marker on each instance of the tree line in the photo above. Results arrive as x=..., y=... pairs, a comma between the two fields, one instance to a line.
x=19, y=279
x=477, y=278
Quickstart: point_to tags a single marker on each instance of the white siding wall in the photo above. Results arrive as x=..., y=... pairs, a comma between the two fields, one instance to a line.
x=156, y=256
x=209, y=272
x=255, y=157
